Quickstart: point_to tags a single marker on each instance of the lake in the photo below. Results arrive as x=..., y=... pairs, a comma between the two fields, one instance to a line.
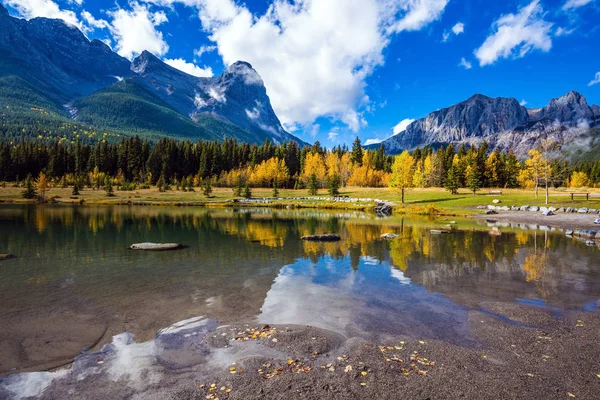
x=74, y=284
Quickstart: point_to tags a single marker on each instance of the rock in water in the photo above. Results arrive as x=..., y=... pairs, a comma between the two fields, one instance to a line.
x=4, y=256
x=156, y=246
x=438, y=232
x=389, y=236
x=322, y=238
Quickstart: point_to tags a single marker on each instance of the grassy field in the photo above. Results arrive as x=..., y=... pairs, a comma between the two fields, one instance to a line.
x=416, y=199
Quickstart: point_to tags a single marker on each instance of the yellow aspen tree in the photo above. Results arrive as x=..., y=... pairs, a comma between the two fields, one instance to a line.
x=402, y=172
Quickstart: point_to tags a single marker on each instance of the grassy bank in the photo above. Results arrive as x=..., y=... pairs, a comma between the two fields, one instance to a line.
x=418, y=201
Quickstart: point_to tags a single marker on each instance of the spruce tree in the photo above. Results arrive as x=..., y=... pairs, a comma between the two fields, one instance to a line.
x=313, y=185
x=275, y=189
x=452, y=180
x=207, y=188
x=334, y=186
x=108, y=187
x=247, y=192
x=473, y=177
x=29, y=192
x=357, y=152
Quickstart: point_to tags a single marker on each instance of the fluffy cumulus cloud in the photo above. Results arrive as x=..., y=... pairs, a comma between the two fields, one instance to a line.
x=135, y=30
x=465, y=64
x=596, y=80
x=189, y=68
x=313, y=55
x=92, y=23
x=43, y=8
x=516, y=35
x=458, y=28
x=402, y=125
x=573, y=4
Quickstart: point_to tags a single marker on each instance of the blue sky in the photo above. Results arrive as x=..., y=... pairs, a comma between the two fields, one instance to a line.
x=337, y=69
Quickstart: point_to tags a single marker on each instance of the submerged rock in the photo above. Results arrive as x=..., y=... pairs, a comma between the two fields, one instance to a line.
x=490, y=212
x=156, y=246
x=322, y=238
x=438, y=232
x=4, y=256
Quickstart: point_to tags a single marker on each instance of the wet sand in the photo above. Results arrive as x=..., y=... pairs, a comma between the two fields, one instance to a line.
x=522, y=352
x=560, y=220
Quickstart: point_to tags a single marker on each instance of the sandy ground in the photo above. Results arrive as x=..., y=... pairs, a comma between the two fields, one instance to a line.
x=560, y=220
x=521, y=353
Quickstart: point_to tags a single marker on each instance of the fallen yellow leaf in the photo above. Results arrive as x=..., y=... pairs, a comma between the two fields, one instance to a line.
x=364, y=373
x=363, y=384
x=570, y=394
x=421, y=342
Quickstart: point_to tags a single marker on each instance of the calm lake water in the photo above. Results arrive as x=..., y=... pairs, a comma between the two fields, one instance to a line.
x=73, y=283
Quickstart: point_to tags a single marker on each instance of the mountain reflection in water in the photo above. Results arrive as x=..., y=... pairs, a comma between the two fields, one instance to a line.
x=74, y=284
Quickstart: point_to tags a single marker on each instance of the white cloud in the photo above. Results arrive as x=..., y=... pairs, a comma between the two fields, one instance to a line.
x=416, y=14
x=204, y=49
x=465, y=64
x=333, y=134
x=369, y=142
x=573, y=4
x=560, y=31
x=217, y=94
x=402, y=125
x=92, y=22
x=253, y=114
x=516, y=35
x=596, y=80
x=458, y=28
x=313, y=55
x=523, y=103
x=43, y=8
x=135, y=31
x=189, y=68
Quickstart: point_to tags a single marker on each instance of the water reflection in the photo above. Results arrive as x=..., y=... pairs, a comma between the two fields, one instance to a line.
x=73, y=269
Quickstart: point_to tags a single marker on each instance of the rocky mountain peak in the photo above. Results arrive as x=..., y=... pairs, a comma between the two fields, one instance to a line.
x=477, y=98
x=243, y=69
x=571, y=107
x=145, y=62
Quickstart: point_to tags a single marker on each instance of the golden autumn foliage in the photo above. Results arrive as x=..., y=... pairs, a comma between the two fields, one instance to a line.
x=578, y=180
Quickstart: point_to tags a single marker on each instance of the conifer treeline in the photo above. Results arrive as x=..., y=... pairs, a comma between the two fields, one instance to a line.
x=230, y=163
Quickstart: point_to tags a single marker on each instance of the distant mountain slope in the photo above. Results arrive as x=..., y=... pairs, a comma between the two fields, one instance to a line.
x=504, y=124
x=46, y=64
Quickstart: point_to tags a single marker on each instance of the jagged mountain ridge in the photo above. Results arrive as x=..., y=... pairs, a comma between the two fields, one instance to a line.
x=503, y=123
x=56, y=62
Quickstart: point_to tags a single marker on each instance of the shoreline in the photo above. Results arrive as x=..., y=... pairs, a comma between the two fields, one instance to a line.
x=508, y=355
x=564, y=221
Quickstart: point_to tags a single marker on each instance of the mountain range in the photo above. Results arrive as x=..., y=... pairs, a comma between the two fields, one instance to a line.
x=567, y=121
x=51, y=73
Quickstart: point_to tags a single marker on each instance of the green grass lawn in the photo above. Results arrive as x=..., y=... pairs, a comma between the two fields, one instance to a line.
x=415, y=198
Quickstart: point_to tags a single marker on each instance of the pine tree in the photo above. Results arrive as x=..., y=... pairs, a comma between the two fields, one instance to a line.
x=334, y=186
x=75, y=191
x=275, y=189
x=313, y=185
x=452, y=180
x=473, y=177
x=29, y=192
x=108, y=187
x=207, y=188
x=247, y=192
x=357, y=152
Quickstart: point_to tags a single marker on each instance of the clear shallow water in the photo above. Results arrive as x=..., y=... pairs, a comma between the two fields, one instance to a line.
x=74, y=284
